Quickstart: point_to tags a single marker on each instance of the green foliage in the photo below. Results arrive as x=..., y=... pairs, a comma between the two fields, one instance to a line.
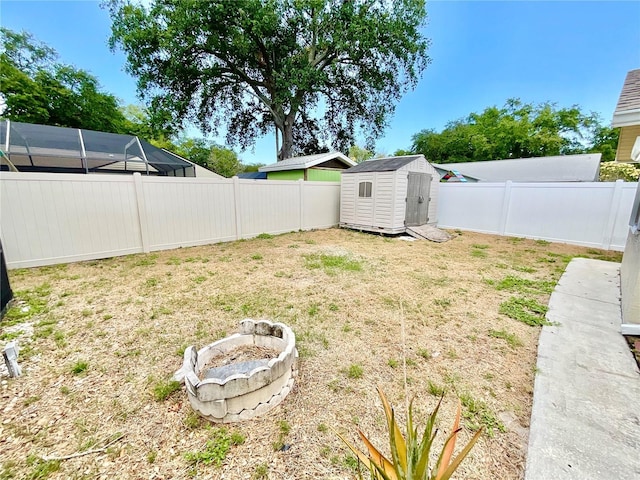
x=261, y=472
x=79, y=367
x=216, y=448
x=253, y=66
x=522, y=285
x=604, y=140
x=410, y=454
x=41, y=468
x=435, y=389
x=612, y=171
x=359, y=154
x=224, y=162
x=355, y=371
x=524, y=310
x=31, y=303
x=37, y=89
x=511, y=338
x=479, y=415
x=515, y=130
x=163, y=388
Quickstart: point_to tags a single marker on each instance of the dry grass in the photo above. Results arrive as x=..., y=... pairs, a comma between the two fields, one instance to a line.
x=105, y=335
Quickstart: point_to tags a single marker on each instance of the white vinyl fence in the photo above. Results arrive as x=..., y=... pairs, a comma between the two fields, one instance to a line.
x=56, y=218
x=50, y=218
x=588, y=214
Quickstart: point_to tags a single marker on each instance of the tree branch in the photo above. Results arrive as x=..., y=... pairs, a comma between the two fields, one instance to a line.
x=87, y=452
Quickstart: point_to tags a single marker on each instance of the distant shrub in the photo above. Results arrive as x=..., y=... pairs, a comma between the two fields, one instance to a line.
x=612, y=171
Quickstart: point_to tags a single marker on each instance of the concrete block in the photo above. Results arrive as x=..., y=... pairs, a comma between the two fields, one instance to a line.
x=252, y=399
x=191, y=356
x=263, y=327
x=277, y=367
x=247, y=327
x=216, y=409
x=10, y=354
x=260, y=377
x=244, y=415
x=278, y=329
x=231, y=418
x=236, y=385
x=210, y=389
x=270, y=342
x=262, y=408
x=191, y=382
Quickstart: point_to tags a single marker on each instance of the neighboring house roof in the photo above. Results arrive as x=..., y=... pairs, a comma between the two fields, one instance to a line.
x=253, y=175
x=628, y=109
x=453, y=175
x=561, y=168
x=307, y=161
x=388, y=164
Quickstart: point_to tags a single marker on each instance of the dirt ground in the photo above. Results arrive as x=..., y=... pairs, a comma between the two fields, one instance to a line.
x=101, y=339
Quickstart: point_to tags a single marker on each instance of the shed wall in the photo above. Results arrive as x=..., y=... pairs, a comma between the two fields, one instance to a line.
x=421, y=165
x=286, y=175
x=320, y=175
x=385, y=210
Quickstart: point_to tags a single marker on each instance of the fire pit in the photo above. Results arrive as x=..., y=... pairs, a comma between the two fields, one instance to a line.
x=228, y=381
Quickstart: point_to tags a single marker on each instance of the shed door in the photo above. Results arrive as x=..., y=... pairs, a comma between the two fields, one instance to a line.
x=417, y=212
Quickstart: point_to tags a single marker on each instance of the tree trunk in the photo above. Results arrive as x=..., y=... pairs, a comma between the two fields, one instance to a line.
x=287, y=140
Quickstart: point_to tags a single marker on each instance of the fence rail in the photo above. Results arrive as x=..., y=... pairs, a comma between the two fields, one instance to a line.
x=57, y=218
x=587, y=214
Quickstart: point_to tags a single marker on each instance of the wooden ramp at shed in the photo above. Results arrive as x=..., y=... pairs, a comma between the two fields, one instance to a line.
x=428, y=232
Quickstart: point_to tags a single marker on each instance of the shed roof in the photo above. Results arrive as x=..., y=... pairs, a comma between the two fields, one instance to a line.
x=388, y=164
x=561, y=168
x=307, y=161
x=627, y=111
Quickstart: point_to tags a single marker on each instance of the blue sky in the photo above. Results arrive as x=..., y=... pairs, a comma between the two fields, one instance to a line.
x=482, y=53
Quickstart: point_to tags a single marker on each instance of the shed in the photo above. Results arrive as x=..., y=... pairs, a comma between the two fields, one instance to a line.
x=323, y=167
x=389, y=194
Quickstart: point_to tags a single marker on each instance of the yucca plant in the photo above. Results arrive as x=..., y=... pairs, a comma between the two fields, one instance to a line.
x=410, y=456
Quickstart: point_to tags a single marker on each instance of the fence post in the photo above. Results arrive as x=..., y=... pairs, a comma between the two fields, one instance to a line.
x=614, y=207
x=506, y=204
x=236, y=207
x=301, y=192
x=142, y=212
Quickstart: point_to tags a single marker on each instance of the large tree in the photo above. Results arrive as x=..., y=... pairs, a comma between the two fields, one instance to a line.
x=517, y=130
x=36, y=88
x=313, y=70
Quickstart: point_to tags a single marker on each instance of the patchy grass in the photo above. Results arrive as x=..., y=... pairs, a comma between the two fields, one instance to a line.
x=479, y=414
x=333, y=263
x=345, y=295
x=79, y=367
x=511, y=338
x=162, y=389
x=28, y=304
x=525, y=286
x=525, y=310
x=216, y=448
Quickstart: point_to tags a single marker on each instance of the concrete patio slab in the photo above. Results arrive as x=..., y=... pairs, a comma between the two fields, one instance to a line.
x=585, y=421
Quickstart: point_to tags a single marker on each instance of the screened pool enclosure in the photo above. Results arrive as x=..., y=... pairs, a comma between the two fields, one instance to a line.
x=27, y=147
